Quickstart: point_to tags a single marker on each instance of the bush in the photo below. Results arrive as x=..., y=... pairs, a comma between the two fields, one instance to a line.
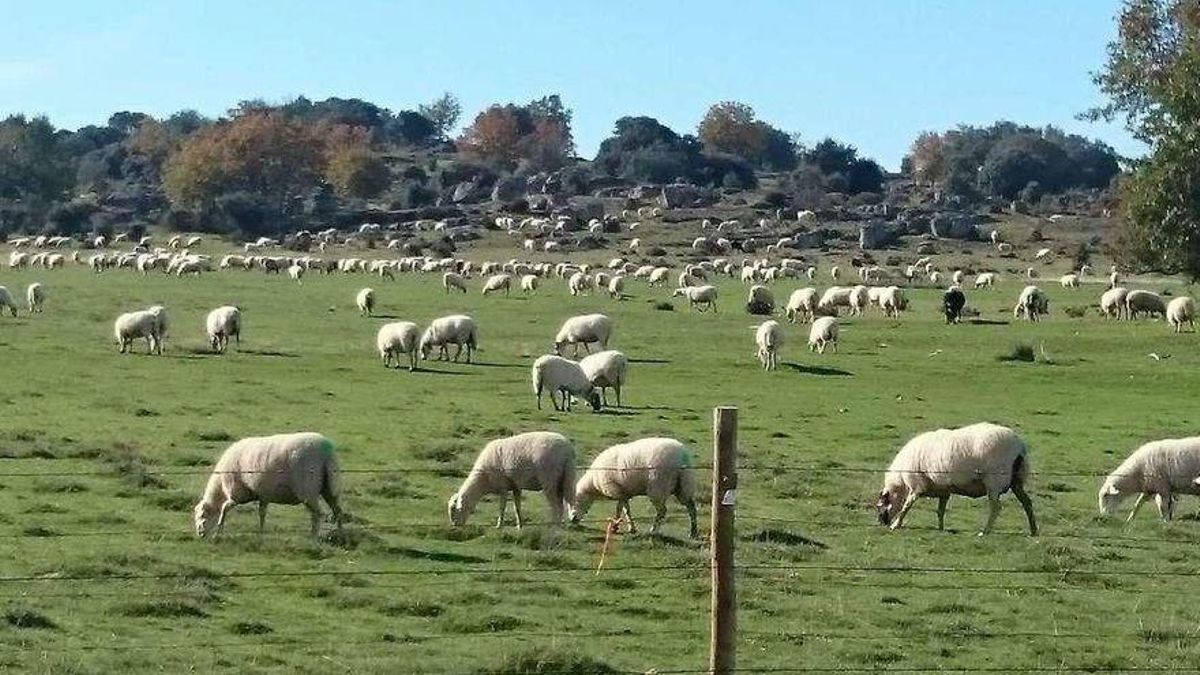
x=1075, y=311
x=1020, y=352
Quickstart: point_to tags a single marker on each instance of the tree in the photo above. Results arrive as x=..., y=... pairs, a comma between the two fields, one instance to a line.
x=126, y=122
x=351, y=166
x=264, y=154
x=538, y=133
x=411, y=128
x=1150, y=79
x=1019, y=160
x=927, y=157
x=495, y=135
x=731, y=127
x=33, y=163
x=443, y=113
x=843, y=170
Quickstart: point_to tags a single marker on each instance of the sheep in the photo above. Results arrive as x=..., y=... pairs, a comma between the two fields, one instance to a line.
x=892, y=301
x=579, y=283
x=700, y=297
x=834, y=297
x=529, y=283
x=1159, y=468
x=860, y=297
x=1031, y=304
x=616, y=288
x=133, y=325
x=1112, y=302
x=496, y=282
x=365, y=300
x=973, y=461
x=824, y=332
x=584, y=329
x=1180, y=311
x=451, y=280
x=957, y=277
x=935, y=278
x=295, y=272
x=6, y=300
x=606, y=369
x=297, y=468
x=985, y=280
x=1070, y=280
x=1031, y=273
x=221, y=324
x=537, y=460
x=555, y=374
x=35, y=297
x=655, y=467
x=953, y=302
x=835, y=272
x=802, y=302
x=399, y=337
x=769, y=338
x=760, y=300
x=456, y=329
x=1114, y=278
x=1144, y=302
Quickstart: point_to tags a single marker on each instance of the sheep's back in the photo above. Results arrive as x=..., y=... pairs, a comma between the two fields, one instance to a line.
x=285, y=468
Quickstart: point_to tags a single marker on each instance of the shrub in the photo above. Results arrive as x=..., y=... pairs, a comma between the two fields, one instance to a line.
x=1020, y=352
x=1075, y=311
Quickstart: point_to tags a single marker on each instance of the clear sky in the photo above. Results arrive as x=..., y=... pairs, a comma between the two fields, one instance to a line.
x=870, y=72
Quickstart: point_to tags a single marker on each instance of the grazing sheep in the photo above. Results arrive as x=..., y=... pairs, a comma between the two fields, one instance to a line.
x=860, y=298
x=396, y=338
x=935, y=278
x=606, y=369
x=1112, y=302
x=6, y=300
x=497, y=282
x=658, y=277
x=456, y=329
x=579, y=283
x=365, y=300
x=529, y=283
x=892, y=301
x=221, y=324
x=1144, y=302
x=283, y=469
x=616, y=288
x=555, y=374
x=769, y=338
x=132, y=325
x=834, y=297
x=957, y=277
x=985, y=280
x=655, y=467
x=953, y=302
x=1031, y=273
x=760, y=300
x=1180, y=311
x=1159, y=468
x=583, y=330
x=1031, y=304
x=700, y=297
x=1004, y=248
x=35, y=296
x=1114, y=278
x=537, y=460
x=824, y=332
x=1070, y=280
x=802, y=302
x=451, y=280
x=973, y=461
x=295, y=272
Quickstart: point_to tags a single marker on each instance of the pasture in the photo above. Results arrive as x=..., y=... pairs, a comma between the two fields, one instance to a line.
x=105, y=454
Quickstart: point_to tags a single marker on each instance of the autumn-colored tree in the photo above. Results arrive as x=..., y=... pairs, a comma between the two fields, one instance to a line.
x=495, y=135
x=927, y=157
x=352, y=167
x=731, y=127
x=152, y=140
x=259, y=153
x=539, y=133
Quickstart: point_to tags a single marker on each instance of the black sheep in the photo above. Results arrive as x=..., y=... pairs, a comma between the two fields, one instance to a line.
x=953, y=302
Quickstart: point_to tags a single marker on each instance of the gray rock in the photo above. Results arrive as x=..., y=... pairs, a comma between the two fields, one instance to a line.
x=954, y=226
x=685, y=195
x=509, y=189
x=876, y=235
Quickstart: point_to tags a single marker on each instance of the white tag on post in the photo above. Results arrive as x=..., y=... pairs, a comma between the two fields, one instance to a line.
x=729, y=498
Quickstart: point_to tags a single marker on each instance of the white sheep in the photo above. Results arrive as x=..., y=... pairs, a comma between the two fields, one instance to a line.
x=1145, y=302
x=769, y=338
x=1112, y=302
x=579, y=283
x=860, y=298
x=801, y=303
x=606, y=369
x=834, y=297
x=1160, y=469
x=824, y=332
x=1180, y=311
x=6, y=300
x=365, y=300
x=1031, y=304
x=583, y=330
x=659, y=276
x=973, y=461
x=295, y=468
x=497, y=282
x=985, y=280
x=957, y=277
x=616, y=288
x=1069, y=280
x=141, y=324
x=537, y=460
x=295, y=272
x=456, y=329
x=557, y=375
x=452, y=280
x=529, y=283
x=761, y=298
x=396, y=338
x=700, y=297
x=35, y=297
x=892, y=301
x=655, y=467
x=221, y=324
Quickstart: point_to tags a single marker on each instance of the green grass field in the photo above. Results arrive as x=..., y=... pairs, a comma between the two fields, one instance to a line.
x=105, y=454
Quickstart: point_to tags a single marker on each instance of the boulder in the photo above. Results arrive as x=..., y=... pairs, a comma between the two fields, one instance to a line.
x=467, y=193
x=876, y=235
x=954, y=226
x=509, y=189
x=685, y=195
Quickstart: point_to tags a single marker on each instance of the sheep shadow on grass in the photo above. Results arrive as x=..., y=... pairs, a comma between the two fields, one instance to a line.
x=267, y=352
x=649, y=360
x=987, y=322
x=823, y=371
x=616, y=412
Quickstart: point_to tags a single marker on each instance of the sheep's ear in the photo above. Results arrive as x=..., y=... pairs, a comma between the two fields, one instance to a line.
x=1112, y=490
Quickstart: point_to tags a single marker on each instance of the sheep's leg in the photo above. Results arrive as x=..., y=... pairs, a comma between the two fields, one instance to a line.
x=942, y=501
x=629, y=517
x=314, y=512
x=660, y=514
x=457, y=351
x=225, y=508
x=517, y=505
x=503, y=508
x=617, y=388
x=993, y=512
x=691, y=510
x=262, y=516
x=1027, y=504
x=1165, y=502
x=909, y=501
x=1136, y=505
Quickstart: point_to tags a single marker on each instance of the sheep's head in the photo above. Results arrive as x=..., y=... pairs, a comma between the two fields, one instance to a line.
x=203, y=516
x=557, y=349
x=593, y=398
x=425, y=347
x=887, y=507
x=457, y=510
x=1110, y=498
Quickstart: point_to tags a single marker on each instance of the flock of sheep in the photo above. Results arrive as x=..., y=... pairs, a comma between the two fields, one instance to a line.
x=981, y=460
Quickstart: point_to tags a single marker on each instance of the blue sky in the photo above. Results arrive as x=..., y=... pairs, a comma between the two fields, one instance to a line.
x=870, y=72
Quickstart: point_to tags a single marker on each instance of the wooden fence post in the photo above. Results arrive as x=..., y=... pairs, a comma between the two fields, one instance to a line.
x=723, y=648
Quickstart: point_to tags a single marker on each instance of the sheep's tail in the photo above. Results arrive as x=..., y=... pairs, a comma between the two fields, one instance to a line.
x=330, y=483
